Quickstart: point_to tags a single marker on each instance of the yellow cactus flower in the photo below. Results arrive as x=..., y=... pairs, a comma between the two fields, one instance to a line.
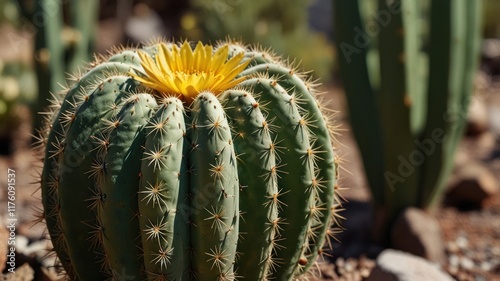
x=185, y=73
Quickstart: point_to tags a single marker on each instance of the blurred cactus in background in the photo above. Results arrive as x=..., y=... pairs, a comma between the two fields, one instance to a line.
x=64, y=35
x=407, y=68
x=491, y=22
x=17, y=86
x=281, y=24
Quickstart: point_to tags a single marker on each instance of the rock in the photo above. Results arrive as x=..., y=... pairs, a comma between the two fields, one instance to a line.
x=477, y=118
x=4, y=236
x=485, y=144
x=23, y=273
x=418, y=233
x=466, y=263
x=472, y=187
x=494, y=119
x=462, y=242
x=461, y=159
x=490, y=53
x=394, y=265
x=491, y=48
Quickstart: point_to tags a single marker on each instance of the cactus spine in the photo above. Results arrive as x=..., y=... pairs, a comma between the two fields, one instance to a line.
x=407, y=92
x=173, y=163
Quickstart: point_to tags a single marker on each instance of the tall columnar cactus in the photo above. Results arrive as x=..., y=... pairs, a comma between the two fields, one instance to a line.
x=407, y=91
x=63, y=43
x=174, y=163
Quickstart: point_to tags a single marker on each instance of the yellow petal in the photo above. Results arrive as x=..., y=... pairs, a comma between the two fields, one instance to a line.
x=180, y=70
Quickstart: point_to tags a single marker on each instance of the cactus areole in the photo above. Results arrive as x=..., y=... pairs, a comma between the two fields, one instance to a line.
x=177, y=163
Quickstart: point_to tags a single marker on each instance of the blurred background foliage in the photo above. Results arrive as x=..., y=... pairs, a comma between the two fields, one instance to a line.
x=282, y=24
x=491, y=20
x=299, y=29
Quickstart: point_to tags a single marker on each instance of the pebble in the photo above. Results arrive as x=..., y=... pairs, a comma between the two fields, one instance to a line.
x=452, y=247
x=453, y=270
x=496, y=251
x=462, y=242
x=466, y=263
x=340, y=262
x=349, y=267
x=365, y=272
x=485, y=266
x=398, y=266
x=23, y=273
x=453, y=260
x=480, y=278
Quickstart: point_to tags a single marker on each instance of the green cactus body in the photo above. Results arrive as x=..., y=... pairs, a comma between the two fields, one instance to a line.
x=408, y=86
x=295, y=137
x=150, y=178
x=258, y=180
x=62, y=114
x=119, y=213
x=165, y=185
x=62, y=43
x=74, y=210
x=214, y=190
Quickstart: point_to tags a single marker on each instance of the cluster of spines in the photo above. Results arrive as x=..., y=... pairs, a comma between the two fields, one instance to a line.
x=322, y=209
x=59, y=118
x=214, y=191
x=258, y=170
x=317, y=207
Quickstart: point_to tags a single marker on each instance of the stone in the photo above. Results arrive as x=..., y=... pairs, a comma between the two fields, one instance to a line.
x=494, y=113
x=491, y=48
x=472, y=187
x=462, y=242
x=23, y=273
x=418, y=233
x=466, y=263
x=477, y=118
x=461, y=159
x=393, y=265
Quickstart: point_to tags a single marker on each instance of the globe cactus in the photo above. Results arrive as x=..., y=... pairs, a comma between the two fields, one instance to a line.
x=174, y=163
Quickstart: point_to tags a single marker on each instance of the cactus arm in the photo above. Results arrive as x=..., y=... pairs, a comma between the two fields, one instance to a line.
x=360, y=94
x=414, y=62
x=297, y=174
x=394, y=103
x=214, y=191
x=79, y=205
x=256, y=165
x=455, y=31
x=119, y=210
x=49, y=52
x=162, y=188
x=84, y=14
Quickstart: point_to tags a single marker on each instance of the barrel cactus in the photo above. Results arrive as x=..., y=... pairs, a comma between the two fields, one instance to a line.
x=176, y=163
